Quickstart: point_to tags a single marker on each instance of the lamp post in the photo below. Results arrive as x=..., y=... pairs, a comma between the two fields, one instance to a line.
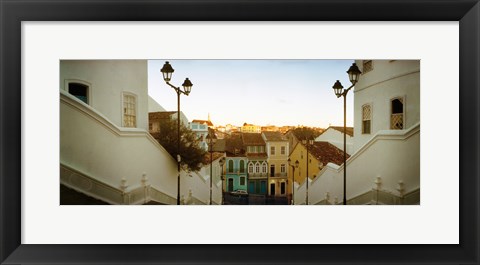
x=210, y=142
x=353, y=75
x=293, y=178
x=307, y=143
x=222, y=162
x=167, y=72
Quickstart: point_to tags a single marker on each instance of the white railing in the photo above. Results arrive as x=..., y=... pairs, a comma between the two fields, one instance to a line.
x=118, y=158
x=389, y=163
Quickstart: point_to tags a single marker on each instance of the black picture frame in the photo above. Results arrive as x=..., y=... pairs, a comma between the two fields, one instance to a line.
x=13, y=12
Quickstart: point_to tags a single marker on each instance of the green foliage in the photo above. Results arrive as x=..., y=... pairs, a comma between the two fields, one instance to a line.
x=305, y=132
x=190, y=152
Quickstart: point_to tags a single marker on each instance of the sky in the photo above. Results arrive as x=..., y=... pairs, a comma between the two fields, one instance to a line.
x=260, y=92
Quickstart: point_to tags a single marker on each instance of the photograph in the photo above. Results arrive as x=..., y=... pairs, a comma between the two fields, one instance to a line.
x=240, y=132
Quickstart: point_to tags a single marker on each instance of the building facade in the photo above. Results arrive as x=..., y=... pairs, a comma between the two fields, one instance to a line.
x=277, y=151
x=235, y=165
x=257, y=167
x=334, y=135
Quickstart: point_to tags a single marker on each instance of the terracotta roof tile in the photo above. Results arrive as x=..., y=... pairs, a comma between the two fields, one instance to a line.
x=326, y=153
x=234, y=146
x=250, y=139
x=274, y=136
x=209, y=123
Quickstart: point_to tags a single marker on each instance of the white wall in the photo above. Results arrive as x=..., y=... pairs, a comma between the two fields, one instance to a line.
x=91, y=143
x=107, y=80
x=336, y=138
x=391, y=155
x=153, y=105
x=387, y=80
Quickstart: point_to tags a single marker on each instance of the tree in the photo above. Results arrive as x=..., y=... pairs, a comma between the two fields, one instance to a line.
x=305, y=132
x=191, y=154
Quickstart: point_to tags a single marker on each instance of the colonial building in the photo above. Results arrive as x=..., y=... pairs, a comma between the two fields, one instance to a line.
x=319, y=155
x=201, y=130
x=250, y=128
x=277, y=151
x=236, y=164
x=257, y=167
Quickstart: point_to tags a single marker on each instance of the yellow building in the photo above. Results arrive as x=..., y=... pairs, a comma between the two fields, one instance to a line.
x=250, y=128
x=277, y=150
x=319, y=155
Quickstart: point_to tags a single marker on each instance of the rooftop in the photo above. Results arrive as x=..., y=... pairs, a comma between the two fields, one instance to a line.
x=209, y=123
x=326, y=153
x=349, y=130
x=274, y=136
x=252, y=139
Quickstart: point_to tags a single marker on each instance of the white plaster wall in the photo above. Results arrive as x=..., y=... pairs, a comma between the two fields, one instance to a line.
x=108, y=79
x=387, y=80
x=336, y=138
x=199, y=183
x=153, y=105
x=390, y=155
x=91, y=143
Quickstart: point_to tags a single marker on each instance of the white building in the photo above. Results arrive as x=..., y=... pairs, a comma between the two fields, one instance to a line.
x=384, y=167
x=334, y=135
x=106, y=151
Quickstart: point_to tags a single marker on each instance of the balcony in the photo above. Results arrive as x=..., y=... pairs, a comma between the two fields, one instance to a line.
x=257, y=175
x=279, y=175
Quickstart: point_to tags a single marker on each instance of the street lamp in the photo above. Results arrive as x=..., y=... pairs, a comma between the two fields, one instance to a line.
x=293, y=178
x=167, y=72
x=210, y=141
x=353, y=75
x=307, y=143
x=222, y=162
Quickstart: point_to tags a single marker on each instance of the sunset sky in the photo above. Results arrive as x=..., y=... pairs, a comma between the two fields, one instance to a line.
x=262, y=92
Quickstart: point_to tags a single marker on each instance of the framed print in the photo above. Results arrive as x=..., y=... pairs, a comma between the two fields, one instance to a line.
x=63, y=36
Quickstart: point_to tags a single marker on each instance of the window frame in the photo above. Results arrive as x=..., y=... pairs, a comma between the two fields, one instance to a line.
x=135, y=109
x=402, y=99
x=363, y=118
x=67, y=82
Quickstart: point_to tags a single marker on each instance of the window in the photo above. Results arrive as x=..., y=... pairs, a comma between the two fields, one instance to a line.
x=282, y=168
x=257, y=167
x=80, y=91
x=264, y=167
x=250, y=168
x=282, y=188
x=242, y=166
x=367, y=66
x=396, y=119
x=272, y=170
x=230, y=166
x=242, y=181
x=282, y=150
x=272, y=150
x=154, y=126
x=366, y=119
x=129, y=111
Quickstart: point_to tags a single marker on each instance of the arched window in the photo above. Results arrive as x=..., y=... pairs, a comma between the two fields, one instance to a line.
x=242, y=166
x=250, y=168
x=230, y=166
x=79, y=90
x=366, y=119
x=257, y=167
x=264, y=167
x=396, y=118
x=129, y=110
